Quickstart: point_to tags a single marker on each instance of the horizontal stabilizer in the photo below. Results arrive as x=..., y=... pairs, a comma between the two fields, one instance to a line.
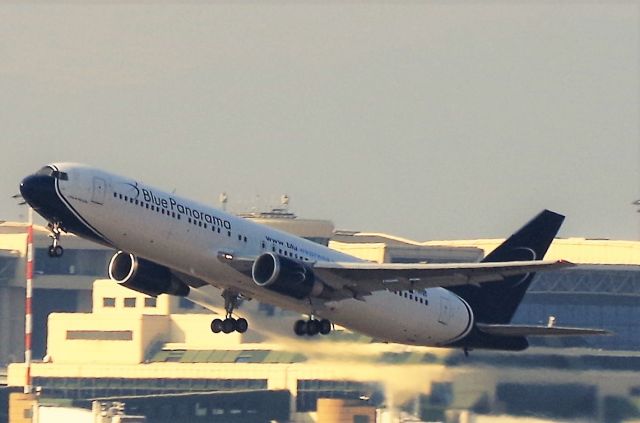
x=524, y=330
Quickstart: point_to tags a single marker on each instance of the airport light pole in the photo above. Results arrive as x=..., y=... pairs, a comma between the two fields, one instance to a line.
x=28, y=316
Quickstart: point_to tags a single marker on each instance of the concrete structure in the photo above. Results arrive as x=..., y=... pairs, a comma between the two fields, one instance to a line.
x=124, y=343
x=122, y=351
x=22, y=407
x=316, y=230
x=60, y=285
x=344, y=411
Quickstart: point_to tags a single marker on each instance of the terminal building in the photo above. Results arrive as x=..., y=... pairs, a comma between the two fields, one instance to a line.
x=97, y=340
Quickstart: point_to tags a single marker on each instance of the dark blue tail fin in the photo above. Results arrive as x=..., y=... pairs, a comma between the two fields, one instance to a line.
x=497, y=302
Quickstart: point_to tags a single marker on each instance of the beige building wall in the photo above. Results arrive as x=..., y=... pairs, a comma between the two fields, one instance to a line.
x=21, y=407
x=343, y=411
x=76, y=338
x=375, y=252
x=577, y=250
x=13, y=242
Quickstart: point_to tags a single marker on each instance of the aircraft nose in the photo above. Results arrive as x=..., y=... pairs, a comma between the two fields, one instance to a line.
x=37, y=189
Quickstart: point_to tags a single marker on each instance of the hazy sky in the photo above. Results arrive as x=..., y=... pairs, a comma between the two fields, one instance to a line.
x=425, y=120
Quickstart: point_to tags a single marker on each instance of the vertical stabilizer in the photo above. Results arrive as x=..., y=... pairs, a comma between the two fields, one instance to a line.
x=497, y=302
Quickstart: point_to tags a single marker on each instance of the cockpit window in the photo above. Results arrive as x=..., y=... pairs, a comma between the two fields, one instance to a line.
x=61, y=175
x=48, y=171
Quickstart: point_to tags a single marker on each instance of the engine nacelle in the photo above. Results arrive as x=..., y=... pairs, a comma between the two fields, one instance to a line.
x=144, y=276
x=285, y=276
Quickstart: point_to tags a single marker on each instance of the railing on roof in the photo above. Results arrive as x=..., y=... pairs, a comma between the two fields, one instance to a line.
x=577, y=281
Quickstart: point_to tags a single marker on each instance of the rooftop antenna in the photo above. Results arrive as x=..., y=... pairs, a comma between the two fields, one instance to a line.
x=637, y=203
x=284, y=201
x=223, y=201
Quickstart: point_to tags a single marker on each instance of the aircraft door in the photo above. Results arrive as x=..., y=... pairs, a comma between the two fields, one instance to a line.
x=99, y=190
x=445, y=310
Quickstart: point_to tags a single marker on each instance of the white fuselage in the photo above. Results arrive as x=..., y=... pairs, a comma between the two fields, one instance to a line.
x=188, y=236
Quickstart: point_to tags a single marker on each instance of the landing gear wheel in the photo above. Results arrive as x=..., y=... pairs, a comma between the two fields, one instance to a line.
x=300, y=327
x=242, y=325
x=313, y=327
x=55, y=251
x=325, y=327
x=216, y=326
x=228, y=325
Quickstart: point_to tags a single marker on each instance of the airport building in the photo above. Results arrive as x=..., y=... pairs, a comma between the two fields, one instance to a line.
x=98, y=340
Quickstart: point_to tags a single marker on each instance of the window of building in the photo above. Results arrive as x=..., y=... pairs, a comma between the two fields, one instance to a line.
x=100, y=335
x=130, y=302
x=108, y=302
x=150, y=302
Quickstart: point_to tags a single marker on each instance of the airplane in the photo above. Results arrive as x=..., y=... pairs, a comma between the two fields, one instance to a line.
x=167, y=244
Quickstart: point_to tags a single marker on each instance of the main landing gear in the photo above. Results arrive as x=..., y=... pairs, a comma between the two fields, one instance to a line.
x=312, y=327
x=55, y=249
x=229, y=324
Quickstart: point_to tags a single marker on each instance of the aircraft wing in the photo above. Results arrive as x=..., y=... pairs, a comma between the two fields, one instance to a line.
x=524, y=330
x=360, y=279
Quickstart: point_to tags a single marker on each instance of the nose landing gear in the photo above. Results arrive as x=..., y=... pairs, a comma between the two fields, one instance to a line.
x=229, y=324
x=55, y=249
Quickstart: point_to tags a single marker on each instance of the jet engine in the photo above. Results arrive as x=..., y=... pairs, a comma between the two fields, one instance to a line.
x=144, y=276
x=285, y=276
